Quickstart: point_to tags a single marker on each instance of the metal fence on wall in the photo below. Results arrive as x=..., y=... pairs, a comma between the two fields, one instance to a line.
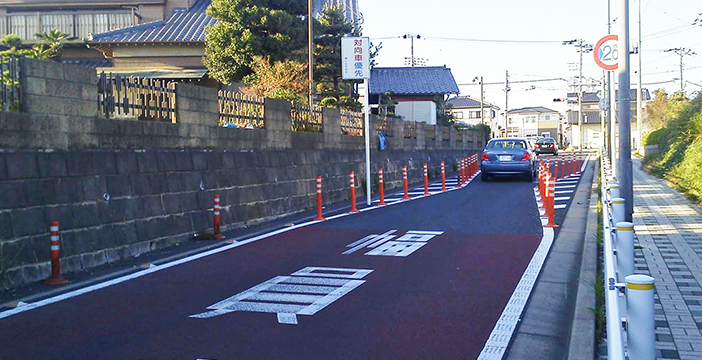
x=410, y=130
x=136, y=98
x=430, y=132
x=240, y=110
x=352, y=123
x=10, y=95
x=305, y=118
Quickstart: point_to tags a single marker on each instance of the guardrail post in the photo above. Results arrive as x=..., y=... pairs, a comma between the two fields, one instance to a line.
x=614, y=190
x=617, y=210
x=641, y=323
x=625, y=249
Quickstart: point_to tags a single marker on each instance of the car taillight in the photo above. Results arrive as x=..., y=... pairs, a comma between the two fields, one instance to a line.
x=484, y=157
x=550, y=145
x=537, y=145
x=526, y=157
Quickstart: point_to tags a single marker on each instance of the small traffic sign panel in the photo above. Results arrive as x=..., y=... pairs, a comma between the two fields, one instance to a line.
x=607, y=52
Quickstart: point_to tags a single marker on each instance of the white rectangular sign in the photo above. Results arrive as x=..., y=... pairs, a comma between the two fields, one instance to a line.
x=355, y=58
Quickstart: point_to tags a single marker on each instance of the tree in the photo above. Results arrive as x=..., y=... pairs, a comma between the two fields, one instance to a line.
x=443, y=112
x=331, y=27
x=285, y=80
x=249, y=28
x=49, y=46
x=656, y=110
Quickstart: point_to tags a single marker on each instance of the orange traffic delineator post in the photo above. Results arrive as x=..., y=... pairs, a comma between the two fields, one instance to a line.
x=319, y=200
x=404, y=180
x=55, y=278
x=426, y=180
x=216, y=211
x=542, y=176
x=550, y=201
x=570, y=165
x=562, y=168
x=443, y=176
x=555, y=169
x=352, y=184
x=381, y=187
x=458, y=174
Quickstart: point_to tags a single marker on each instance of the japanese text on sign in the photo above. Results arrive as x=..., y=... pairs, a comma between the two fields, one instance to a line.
x=355, y=58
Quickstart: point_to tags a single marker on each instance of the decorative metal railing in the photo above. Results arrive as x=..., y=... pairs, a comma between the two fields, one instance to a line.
x=352, y=123
x=306, y=119
x=410, y=130
x=240, y=110
x=136, y=98
x=10, y=94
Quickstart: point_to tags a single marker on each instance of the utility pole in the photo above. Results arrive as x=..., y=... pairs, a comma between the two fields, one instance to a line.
x=603, y=115
x=681, y=52
x=624, y=97
x=582, y=48
x=413, y=62
x=611, y=120
x=506, y=98
x=310, y=49
x=482, y=112
x=639, y=89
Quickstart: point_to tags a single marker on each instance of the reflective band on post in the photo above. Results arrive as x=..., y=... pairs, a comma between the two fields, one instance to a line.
x=618, y=202
x=54, y=247
x=53, y=228
x=628, y=228
x=640, y=286
x=54, y=238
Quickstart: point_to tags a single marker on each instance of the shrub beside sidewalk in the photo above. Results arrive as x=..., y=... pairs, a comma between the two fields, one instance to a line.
x=679, y=159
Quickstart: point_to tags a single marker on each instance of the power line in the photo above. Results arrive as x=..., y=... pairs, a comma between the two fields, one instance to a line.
x=517, y=82
x=502, y=41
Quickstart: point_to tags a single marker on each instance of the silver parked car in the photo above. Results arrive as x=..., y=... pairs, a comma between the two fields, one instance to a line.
x=508, y=156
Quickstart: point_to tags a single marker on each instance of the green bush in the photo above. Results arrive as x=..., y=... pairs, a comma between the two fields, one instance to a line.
x=654, y=137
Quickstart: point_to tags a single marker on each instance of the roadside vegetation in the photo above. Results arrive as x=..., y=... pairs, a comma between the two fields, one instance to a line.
x=678, y=136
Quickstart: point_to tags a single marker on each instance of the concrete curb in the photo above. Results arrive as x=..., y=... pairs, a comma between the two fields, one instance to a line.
x=582, y=333
x=544, y=331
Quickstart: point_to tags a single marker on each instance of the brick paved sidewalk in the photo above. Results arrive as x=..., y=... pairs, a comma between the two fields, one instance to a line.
x=669, y=231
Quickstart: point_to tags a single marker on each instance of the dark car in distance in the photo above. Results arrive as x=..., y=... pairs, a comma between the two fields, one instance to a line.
x=508, y=156
x=546, y=146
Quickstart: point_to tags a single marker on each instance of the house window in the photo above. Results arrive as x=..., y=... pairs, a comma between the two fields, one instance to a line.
x=547, y=117
x=458, y=115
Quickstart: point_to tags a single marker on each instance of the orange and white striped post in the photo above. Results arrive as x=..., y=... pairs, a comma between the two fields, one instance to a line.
x=404, y=180
x=443, y=176
x=381, y=187
x=555, y=169
x=319, y=200
x=550, y=201
x=216, y=211
x=465, y=170
x=475, y=163
x=55, y=278
x=426, y=180
x=352, y=184
x=542, y=177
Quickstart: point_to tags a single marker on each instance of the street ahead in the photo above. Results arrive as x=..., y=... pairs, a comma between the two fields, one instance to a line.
x=423, y=279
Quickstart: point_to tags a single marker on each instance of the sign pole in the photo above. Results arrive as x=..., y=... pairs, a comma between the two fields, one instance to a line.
x=624, y=97
x=367, y=136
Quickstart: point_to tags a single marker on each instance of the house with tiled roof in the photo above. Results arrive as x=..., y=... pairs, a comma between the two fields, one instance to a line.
x=466, y=110
x=591, y=119
x=533, y=122
x=415, y=89
x=79, y=19
x=171, y=48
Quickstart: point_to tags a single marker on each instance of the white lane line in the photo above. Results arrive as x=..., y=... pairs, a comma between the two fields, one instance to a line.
x=566, y=182
x=564, y=192
x=565, y=186
x=561, y=198
x=102, y=285
x=560, y=206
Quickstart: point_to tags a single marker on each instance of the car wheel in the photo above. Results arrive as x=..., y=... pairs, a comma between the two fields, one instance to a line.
x=484, y=177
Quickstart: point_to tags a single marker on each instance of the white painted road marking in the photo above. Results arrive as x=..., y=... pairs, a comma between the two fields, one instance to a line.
x=562, y=198
x=565, y=186
x=560, y=206
x=564, y=192
x=304, y=292
x=382, y=245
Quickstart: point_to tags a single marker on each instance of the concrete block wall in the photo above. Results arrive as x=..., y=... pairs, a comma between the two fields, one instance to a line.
x=120, y=188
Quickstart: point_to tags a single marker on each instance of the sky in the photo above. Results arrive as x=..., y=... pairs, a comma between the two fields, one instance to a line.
x=524, y=37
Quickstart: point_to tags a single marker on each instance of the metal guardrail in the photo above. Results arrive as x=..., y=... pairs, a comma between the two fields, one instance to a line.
x=240, y=110
x=615, y=338
x=10, y=94
x=625, y=291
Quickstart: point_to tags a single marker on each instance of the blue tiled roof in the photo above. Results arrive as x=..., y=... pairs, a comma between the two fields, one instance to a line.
x=183, y=25
x=467, y=102
x=413, y=80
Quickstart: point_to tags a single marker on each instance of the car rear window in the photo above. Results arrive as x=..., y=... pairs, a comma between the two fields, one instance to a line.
x=507, y=144
x=545, y=141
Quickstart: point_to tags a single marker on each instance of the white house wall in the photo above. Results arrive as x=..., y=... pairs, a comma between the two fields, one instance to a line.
x=422, y=111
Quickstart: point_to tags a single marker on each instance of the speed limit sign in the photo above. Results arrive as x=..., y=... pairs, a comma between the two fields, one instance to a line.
x=607, y=52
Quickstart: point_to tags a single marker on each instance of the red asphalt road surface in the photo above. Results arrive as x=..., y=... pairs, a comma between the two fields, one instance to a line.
x=440, y=302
